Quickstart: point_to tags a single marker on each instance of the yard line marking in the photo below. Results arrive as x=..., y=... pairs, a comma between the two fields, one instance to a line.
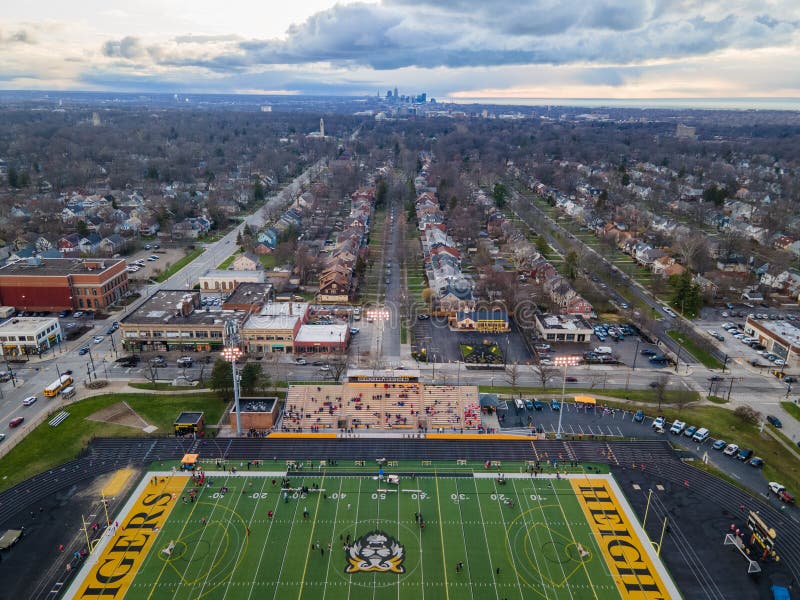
x=441, y=533
x=308, y=550
x=571, y=535
x=333, y=535
x=463, y=537
x=485, y=537
x=508, y=541
x=421, y=562
x=266, y=541
x=230, y=575
x=535, y=556
x=286, y=545
x=249, y=523
x=358, y=504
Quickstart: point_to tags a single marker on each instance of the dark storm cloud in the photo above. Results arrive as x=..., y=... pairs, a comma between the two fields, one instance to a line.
x=472, y=33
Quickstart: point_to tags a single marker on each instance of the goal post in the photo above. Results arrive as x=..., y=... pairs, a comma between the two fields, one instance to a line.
x=734, y=540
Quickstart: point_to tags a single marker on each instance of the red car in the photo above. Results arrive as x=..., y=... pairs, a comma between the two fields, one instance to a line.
x=16, y=422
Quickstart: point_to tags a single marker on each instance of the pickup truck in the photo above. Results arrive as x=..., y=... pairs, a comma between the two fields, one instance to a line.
x=780, y=491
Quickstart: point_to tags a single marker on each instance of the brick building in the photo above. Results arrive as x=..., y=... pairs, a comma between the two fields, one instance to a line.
x=54, y=284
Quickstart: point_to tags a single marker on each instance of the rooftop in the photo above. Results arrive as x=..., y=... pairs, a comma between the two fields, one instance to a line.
x=227, y=274
x=565, y=322
x=53, y=267
x=254, y=405
x=782, y=329
x=179, y=307
x=322, y=333
x=250, y=293
x=188, y=418
x=26, y=324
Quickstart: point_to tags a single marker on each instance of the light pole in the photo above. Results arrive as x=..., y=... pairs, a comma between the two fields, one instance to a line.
x=232, y=354
x=564, y=361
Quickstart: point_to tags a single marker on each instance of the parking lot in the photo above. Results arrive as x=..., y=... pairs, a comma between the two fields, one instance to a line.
x=150, y=268
x=579, y=422
x=443, y=344
x=712, y=321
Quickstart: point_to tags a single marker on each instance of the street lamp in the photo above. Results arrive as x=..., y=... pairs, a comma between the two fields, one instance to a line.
x=564, y=361
x=232, y=354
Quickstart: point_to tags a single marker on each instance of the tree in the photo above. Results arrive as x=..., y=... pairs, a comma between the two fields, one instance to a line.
x=500, y=195
x=686, y=295
x=221, y=380
x=252, y=378
x=83, y=229
x=13, y=178
x=541, y=245
x=544, y=372
x=571, y=265
x=381, y=192
x=338, y=366
x=512, y=375
x=259, y=194
x=660, y=388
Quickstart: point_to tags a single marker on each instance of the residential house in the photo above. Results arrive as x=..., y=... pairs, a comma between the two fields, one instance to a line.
x=89, y=244
x=69, y=245
x=111, y=245
x=246, y=262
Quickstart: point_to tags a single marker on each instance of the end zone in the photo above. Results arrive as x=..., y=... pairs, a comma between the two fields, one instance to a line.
x=126, y=543
x=638, y=572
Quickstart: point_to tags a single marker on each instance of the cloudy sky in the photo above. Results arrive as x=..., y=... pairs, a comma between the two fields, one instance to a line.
x=449, y=48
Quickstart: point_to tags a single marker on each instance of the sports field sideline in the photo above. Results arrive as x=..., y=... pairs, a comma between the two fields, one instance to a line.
x=453, y=536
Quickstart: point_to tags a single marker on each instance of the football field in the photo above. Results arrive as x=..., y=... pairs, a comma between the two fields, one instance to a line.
x=454, y=535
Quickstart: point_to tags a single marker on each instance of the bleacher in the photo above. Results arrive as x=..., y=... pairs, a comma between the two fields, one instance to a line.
x=395, y=406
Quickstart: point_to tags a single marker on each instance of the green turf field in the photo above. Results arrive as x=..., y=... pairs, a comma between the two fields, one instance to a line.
x=534, y=544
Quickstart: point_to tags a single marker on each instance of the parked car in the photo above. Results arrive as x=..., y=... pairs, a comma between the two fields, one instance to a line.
x=423, y=317
x=756, y=462
x=78, y=314
x=701, y=435
x=29, y=400
x=555, y=404
x=538, y=404
x=185, y=361
x=318, y=363
x=325, y=368
x=658, y=423
x=354, y=330
x=98, y=339
x=301, y=361
x=84, y=350
x=690, y=431
x=677, y=427
x=649, y=352
x=744, y=454
x=638, y=416
x=780, y=491
x=716, y=378
x=571, y=380
x=16, y=422
x=790, y=379
x=730, y=450
x=719, y=445
x=528, y=404
x=774, y=421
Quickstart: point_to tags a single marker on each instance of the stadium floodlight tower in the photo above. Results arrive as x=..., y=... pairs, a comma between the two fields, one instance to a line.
x=232, y=352
x=564, y=361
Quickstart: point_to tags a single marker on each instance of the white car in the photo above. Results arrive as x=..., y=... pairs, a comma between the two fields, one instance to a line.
x=658, y=423
x=779, y=362
x=325, y=368
x=677, y=427
x=29, y=400
x=97, y=339
x=731, y=449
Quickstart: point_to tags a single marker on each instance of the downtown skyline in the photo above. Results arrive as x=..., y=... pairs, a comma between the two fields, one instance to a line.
x=454, y=50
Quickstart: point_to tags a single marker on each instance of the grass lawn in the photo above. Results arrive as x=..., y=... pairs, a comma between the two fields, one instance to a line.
x=227, y=545
x=46, y=447
x=717, y=399
x=179, y=264
x=229, y=261
x=700, y=354
x=792, y=409
x=268, y=261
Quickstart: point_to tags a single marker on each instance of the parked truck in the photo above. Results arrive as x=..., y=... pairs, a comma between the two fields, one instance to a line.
x=6, y=311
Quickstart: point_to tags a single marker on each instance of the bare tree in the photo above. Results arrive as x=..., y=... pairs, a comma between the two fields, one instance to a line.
x=512, y=375
x=660, y=387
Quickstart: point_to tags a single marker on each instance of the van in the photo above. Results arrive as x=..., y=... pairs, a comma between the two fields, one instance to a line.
x=603, y=350
x=677, y=427
x=701, y=435
x=68, y=392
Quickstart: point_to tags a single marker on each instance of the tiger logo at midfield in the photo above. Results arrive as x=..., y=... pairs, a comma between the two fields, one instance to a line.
x=375, y=551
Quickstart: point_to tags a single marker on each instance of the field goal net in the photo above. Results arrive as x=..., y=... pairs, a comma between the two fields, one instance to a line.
x=735, y=540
